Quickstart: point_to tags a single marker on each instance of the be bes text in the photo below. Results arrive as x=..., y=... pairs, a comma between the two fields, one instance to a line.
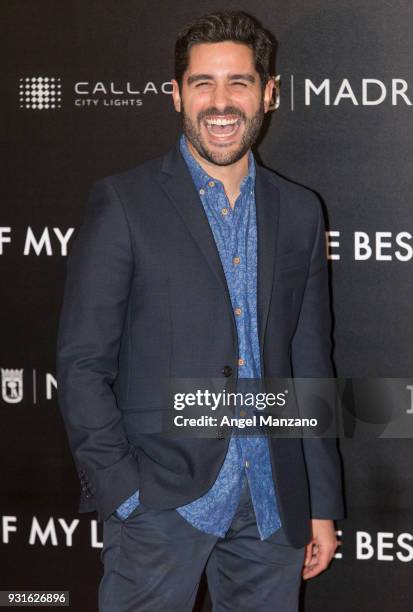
x=380, y=246
x=386, y=546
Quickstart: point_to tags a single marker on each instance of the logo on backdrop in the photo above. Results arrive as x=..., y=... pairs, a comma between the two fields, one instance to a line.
x=40, y=93
x=45, y=93
x=344, y=92
x=12, y=385
x=41, y=386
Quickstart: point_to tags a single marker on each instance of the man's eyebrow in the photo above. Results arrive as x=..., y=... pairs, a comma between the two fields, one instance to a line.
x=242, y=77
x=199, y=77
x=232, y=77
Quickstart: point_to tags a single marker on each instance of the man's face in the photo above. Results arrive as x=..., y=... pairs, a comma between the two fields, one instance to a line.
x=222, y=101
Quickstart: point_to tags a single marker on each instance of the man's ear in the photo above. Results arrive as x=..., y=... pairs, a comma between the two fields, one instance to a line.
x=176, y=96
x=272, y=94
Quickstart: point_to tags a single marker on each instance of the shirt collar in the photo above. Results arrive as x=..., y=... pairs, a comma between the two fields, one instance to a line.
x=202, y=178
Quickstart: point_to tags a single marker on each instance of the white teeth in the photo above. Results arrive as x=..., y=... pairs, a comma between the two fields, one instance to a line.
x=221, y=121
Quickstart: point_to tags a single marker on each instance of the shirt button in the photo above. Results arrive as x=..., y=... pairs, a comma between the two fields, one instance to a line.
x=236, y=260
x=241, y=362
x=247, y=463
x=224, y=211
x=238, y=311
x=202, y=191
x=211, y=184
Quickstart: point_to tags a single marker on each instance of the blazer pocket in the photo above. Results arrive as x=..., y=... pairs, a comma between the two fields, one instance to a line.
x=294, y=259
x=147, y=421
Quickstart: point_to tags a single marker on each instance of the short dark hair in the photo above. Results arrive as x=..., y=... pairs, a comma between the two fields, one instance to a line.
x=235, y=26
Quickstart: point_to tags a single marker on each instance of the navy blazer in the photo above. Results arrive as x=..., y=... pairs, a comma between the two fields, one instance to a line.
x=146, y=298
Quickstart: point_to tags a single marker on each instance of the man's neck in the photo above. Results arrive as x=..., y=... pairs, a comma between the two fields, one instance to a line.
x=230, y=176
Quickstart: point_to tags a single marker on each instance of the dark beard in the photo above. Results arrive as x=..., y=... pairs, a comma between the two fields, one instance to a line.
x=193, y=133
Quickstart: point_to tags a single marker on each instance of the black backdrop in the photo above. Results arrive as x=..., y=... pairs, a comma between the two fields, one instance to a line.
x=354, y=150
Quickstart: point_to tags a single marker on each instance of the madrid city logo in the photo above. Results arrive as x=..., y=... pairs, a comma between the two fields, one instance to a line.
x=12, y=385
x=40, y=93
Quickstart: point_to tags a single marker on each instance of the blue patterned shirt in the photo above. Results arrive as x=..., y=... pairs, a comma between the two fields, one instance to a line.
x=235, y=235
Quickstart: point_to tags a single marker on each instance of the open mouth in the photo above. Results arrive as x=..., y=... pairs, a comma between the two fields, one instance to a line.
x=222, y=128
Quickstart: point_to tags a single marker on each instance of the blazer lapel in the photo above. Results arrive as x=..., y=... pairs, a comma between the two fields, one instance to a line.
x=267, y=203
x=179, y=187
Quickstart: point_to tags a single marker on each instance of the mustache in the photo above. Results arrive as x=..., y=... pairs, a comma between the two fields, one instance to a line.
x=229, y=110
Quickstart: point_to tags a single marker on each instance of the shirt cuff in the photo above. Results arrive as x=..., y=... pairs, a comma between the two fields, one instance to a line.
x=128, y=506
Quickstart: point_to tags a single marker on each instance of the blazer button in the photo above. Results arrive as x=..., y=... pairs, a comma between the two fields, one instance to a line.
x=227, y=371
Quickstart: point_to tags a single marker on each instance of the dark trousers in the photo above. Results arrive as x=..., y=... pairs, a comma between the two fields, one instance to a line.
x=153, y=562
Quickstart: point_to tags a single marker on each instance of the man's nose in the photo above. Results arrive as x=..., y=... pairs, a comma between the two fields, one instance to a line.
x=221, y=97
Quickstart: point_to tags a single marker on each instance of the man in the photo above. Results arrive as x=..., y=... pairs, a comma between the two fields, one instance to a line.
x=200, y=264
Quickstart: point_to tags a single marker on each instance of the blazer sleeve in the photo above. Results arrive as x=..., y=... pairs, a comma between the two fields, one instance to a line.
x=98, y=280
x=311, y=358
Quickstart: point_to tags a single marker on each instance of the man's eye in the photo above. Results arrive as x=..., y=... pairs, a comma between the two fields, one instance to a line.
x=239, y=83
x=201, y=84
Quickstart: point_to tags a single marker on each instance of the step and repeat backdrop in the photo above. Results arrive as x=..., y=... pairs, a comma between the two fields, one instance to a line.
x=86, y=93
